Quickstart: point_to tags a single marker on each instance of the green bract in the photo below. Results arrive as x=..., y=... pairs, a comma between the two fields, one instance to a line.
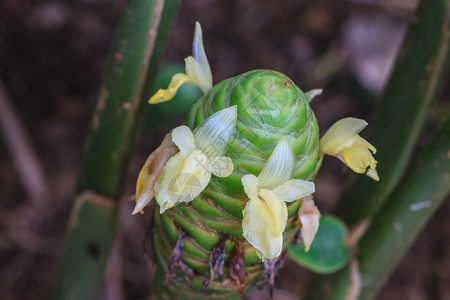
x=269, y=107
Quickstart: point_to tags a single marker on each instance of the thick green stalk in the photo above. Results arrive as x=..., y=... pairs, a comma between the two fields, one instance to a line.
x=422, y=65
x=90, y=234
x=419, y=72
x=125, y=89
x=420, y=192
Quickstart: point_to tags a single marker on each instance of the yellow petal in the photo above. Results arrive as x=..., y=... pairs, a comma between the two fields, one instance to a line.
x=221, y=166
x=144, y=188
x=213, y=135
x=184, y=139
x=294, y=189
x=360, y=160
x=279, y=166
x=359, y=141
x=184, y=177
x=163, y=95
x=276, y=207
x=342, y=140
x=264, y=223
x=313, y=94
x=309, y=216
x=340, y=135
x=197, y=66
x=151, y=172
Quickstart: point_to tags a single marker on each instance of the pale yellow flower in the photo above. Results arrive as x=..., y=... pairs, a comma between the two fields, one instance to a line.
x=342, y=140
x=197, y=68
x=188, y=172
x=265, y=214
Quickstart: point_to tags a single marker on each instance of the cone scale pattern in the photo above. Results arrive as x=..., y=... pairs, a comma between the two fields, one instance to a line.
x=269, y=107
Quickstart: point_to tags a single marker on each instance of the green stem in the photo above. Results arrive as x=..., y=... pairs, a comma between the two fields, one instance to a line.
x=126, y=87
x=91, y=231
x=416, y=81
x=420, y=192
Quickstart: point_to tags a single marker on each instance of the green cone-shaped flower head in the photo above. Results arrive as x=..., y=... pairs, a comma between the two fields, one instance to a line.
x=271, y=110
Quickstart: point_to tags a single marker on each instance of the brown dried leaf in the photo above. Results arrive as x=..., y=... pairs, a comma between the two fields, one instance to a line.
x=175, y=261
x=238, y=270
x=308, y=216
x=216, y=261
x=151, y=171
x=271, y=267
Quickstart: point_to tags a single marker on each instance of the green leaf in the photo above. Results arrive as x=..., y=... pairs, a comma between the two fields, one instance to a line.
x=329, y=251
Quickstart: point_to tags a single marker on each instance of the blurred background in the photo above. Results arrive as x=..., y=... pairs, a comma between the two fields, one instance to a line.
x=52, y=57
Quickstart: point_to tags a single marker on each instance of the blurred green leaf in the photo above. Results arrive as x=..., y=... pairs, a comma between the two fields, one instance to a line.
x=416, y=82
x=329, y=251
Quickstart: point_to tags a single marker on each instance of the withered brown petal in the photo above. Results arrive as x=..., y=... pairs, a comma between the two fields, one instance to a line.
x=175, y=261
x=237, y=266
x=216, y=261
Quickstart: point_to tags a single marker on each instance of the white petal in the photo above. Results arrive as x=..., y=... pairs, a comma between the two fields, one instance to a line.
x=184, y=139
x=197, y=67
x=339, y=135
x=249, y=182
x=264, y=223
x=309, y=217
x=312, y=94
x=294, y=189
x=221, y=166
x=183, y=178
x=279, y=166
x=372, y=173
x=173, y=167
x=213, y=135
